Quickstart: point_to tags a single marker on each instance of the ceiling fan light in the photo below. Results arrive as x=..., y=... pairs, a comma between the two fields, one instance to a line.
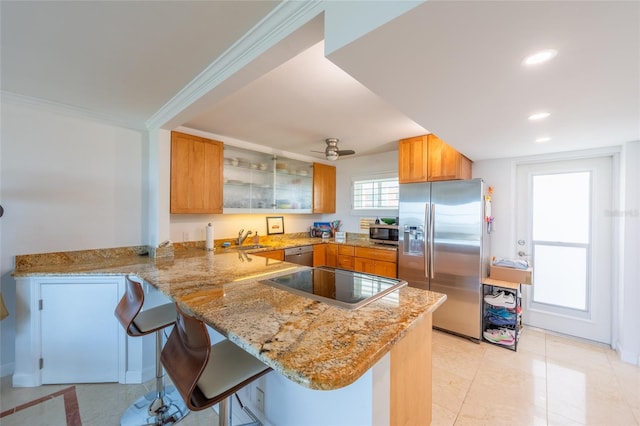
x=331, y=154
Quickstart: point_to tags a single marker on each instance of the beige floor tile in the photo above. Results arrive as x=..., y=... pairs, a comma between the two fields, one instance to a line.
x=106, y=401
x=532, y=340
x=500, y=412
x=587, y=397
x=12, y=397
x=495, y=387
x=636, y=413
x=456, y=354
x=47, y=413
x=449, y=389
x=628, y=379
x=441, y=416
x=602, y=413
x=554, y=419
x=512, y=362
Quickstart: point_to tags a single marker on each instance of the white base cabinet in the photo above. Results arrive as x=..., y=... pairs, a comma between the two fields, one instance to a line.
x=79, y=333
x=66, y=332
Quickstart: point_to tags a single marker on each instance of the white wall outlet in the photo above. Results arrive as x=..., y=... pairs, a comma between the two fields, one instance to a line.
x=260, y=399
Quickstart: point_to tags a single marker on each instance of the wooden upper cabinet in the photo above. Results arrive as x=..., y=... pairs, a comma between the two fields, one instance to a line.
x=324, y=188
x=412, y=160
x=428, y=158
x=196, y=174
x=445, y=163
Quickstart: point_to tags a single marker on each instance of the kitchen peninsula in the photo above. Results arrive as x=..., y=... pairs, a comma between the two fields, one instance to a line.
x=377, y=358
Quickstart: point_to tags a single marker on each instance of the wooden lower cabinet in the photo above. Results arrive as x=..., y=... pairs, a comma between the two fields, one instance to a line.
x=332, y=255
x=345, y=257
x=362, y=259
x=272, y=254
x=319, y=255
x=375, y=267
x=376, y=261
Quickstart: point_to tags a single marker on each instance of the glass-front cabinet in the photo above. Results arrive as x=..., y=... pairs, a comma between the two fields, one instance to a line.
x=256, y=182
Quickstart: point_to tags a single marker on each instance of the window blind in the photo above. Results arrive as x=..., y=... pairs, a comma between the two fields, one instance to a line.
x=371, y=194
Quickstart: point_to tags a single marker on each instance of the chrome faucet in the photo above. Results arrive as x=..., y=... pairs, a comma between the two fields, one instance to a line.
x=241, y=238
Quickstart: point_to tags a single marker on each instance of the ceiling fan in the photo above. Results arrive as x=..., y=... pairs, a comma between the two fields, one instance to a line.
x=332, y=152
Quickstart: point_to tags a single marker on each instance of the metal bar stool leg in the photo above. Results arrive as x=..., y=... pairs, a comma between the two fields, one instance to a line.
x=224, y=413
x=163, y=406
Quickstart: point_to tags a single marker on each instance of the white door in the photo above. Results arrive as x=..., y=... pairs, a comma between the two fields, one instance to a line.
x=79, y=332
x=564, y=229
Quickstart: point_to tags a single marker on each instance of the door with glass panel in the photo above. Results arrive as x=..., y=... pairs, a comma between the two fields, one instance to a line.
x=564, y=229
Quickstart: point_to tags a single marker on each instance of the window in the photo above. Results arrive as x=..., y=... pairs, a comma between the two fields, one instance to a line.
x=375, y=193
x=561, y=224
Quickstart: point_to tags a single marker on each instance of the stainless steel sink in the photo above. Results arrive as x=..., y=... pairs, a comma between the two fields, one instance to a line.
x=251, y=247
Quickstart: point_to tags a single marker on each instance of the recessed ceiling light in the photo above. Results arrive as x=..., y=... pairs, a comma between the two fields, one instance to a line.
x=540, y=57
x=538, y=116
x=543, y=139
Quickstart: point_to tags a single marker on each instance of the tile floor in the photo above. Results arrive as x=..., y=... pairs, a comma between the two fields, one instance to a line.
x=551, y=380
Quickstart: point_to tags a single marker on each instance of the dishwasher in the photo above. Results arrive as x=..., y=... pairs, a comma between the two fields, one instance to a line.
x=301, y=255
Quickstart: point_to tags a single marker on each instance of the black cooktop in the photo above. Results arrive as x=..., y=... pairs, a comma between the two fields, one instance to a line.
x=340, y=287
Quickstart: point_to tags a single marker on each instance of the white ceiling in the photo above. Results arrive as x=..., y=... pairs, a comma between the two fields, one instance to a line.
x=450, y=67
x=119, y=59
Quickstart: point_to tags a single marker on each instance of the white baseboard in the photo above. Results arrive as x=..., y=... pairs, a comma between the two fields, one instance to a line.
x=628, y=356
x=140, y=376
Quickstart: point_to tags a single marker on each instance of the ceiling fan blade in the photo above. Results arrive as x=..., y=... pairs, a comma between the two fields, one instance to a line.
x=346, y=152
x=319, y=152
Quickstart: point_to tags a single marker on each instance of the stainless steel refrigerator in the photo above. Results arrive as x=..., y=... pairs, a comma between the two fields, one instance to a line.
x=444, y=247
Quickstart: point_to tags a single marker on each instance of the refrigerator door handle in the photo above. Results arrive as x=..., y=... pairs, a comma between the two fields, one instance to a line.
x=431, y=241
x=427, y=253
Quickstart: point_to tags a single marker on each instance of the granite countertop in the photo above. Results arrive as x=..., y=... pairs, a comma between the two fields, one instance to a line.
x=277, y=244
x=312, y=343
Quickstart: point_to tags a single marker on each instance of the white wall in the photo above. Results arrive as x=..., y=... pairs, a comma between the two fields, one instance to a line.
x=346, y=169
x=629, y=218
x=191, y=227
x=67, y=183
x=500, y=174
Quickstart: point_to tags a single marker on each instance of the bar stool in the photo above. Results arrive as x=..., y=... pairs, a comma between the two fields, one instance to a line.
x=206, y=375
x=164, y=405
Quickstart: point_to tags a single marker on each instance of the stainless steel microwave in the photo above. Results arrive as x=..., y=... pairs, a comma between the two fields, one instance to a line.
x=384, y=234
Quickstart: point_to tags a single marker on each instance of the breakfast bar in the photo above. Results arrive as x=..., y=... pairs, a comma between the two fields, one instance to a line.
x=382, y=350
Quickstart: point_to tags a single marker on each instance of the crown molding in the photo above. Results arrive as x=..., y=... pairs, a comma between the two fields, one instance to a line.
x=282, y=21
x=60, y=108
